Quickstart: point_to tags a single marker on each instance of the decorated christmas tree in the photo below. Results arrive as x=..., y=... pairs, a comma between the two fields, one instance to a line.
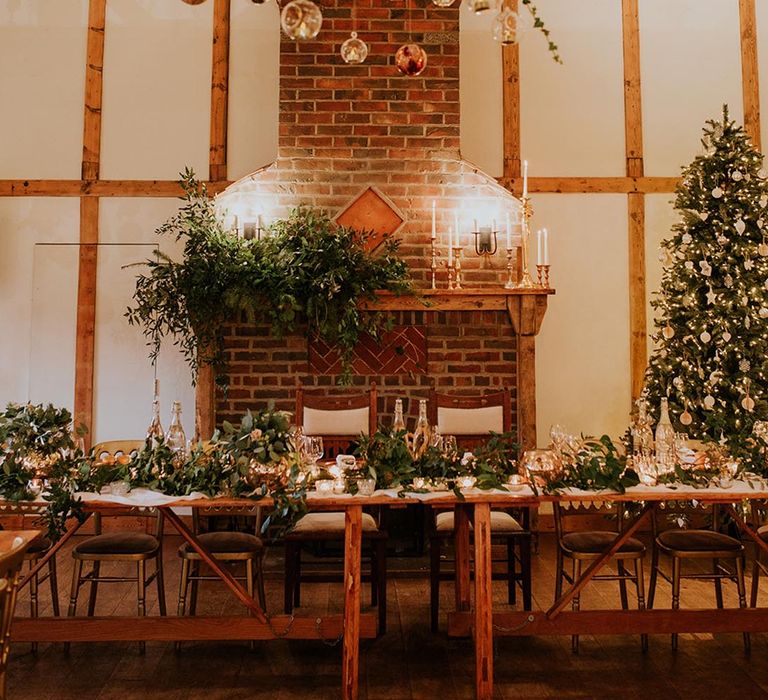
x=711, y=340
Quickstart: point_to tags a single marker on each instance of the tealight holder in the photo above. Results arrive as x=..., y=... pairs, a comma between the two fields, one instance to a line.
x=419, y=483
x=366, y=487
x=466, y=482
x=339, y=485
x=516, y=482
x=324, y=486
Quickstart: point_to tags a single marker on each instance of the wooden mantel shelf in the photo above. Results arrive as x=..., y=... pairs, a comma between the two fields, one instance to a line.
x=526, y=307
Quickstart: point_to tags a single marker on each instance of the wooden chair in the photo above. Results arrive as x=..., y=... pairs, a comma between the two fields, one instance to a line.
x=339, y=420
x=13, y=546
x=582, y=546
x=758, y=564
x=134, y=547
x=471, y=419
x=225, y=545
x=681, y=544
x=37, y=549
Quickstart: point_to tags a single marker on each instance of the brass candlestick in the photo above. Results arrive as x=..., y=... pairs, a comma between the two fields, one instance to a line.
x=457, y=267
x=542, y=272
x=526, y=282
x=510, y=283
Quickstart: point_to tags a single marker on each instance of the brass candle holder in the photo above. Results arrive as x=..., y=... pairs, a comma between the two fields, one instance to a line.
x=542, y=273
x=526, y=281
x=510, y=283
x=456, y=267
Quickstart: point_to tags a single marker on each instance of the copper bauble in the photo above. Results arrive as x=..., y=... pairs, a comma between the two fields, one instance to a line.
x=411, y=59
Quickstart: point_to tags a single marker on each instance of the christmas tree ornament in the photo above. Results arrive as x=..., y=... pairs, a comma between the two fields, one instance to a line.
x=744, y=365
x=762, y=174
x=505, y=27
x=728, y=281
x=711, y=297
x=354, y=50
x=740, y=226
x=677, y=382
x=704, y=215
x=760, y=223
x=762, y=249
x=736, y=176
x=705, y=337
x=443, y=3
x=411, y=59
x=709, y=402
x=763, y=312
x=717, y=193
x=747, y=322
x=689, y=264
x=726, y=336
x=705, y=267
x=748, y=403
x=301, y=20
x=722, y=240
x=685, y=417
x=687, y=238
x=668, y=332
x=749, y=264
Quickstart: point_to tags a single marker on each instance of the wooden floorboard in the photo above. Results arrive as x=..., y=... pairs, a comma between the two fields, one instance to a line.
x=407, y=663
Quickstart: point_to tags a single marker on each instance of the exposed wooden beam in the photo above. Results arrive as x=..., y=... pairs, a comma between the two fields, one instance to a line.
x=94, y=65
x=750, y=82
x=219, y=90
x=593, y=185
x=86, y=314
x=99, y=188
x=633, y=129
x=511, y=95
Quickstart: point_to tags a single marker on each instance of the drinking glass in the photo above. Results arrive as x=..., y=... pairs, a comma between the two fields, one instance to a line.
x=315, y=444
x=436, y=440
x=449, y=445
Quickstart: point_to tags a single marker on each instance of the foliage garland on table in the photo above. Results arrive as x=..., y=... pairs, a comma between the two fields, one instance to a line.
x=307, y=269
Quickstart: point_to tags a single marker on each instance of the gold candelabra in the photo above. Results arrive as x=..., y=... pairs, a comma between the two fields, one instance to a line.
x=456, y=268
x=526, y=282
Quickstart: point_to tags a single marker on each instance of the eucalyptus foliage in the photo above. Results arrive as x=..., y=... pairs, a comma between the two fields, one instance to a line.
x=307, y=270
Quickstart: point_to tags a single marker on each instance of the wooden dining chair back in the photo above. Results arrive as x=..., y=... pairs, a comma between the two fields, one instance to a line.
x=339, y=419
x=471, y=419
x=583, y=545
x=13, y=547
x=124, y=546
x=682, y=543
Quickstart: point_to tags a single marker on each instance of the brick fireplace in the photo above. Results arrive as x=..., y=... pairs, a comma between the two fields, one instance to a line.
x=378, y=148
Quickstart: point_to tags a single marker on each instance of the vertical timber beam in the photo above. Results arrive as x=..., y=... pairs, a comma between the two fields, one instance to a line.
x=511, y=95
x=633, y=127
x=205, y=394
x=749, y=70
x=89, y=220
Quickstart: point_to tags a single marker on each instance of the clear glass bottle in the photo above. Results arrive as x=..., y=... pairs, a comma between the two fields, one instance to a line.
x=665, y=438
x=155, y=431
x=398, y=422
x=175, y=438
x=642, y=433
x=421, y=434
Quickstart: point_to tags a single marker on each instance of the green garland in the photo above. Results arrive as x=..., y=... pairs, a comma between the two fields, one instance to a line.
x=307, y=270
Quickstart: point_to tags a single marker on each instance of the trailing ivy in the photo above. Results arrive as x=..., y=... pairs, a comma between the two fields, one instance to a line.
x=306, y=270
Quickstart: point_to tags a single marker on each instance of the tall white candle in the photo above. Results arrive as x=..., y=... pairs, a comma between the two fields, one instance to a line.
x=539, y=257
x=450, y=246
x=434, y=229
x=509, y=233
x=525, y=179
x=546, y=247
x=455, y=228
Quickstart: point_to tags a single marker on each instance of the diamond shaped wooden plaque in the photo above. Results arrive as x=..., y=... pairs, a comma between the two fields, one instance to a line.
x=372, y=211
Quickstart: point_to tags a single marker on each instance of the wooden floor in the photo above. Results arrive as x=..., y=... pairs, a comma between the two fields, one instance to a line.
x=408, y=662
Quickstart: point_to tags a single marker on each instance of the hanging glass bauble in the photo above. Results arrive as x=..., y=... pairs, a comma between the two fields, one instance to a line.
x=478, y=6
x=686, y=418
x=411, y=59
x=443, y=3
x=301, y=20
x=506, y=27
x=709, y=402
x=748, y=403
x=354, y=50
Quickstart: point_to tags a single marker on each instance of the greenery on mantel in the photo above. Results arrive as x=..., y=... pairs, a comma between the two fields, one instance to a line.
x=538, y=23
x=306, y=270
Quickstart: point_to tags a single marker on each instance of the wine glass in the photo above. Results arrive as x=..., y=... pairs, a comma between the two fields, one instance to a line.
x=315, y=448
x=436, y=439
x=450, y=447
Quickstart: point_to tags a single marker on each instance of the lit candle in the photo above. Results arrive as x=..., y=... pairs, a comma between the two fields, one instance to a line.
x=509, y=233
x=546, y=247
x=450, y=246
x=434, y=229
x=539, y=257
x=525, y=179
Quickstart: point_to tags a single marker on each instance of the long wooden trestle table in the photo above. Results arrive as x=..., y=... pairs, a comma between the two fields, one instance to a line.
x=479, y=620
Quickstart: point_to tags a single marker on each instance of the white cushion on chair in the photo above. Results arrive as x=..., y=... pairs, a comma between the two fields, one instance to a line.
x=470, y=421
x=501, y=522
x=347, y=421
x=330, y=522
